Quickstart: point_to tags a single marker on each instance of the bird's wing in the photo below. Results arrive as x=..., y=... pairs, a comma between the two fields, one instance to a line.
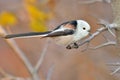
x=62, y=30
x=27, y=35
x=60, y=33
x=68, y=24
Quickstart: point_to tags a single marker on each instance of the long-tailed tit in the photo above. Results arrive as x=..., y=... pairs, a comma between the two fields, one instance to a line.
x=65, y=34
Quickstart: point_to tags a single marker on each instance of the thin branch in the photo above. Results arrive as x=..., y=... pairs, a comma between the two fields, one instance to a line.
x=14, y=78
x=109, y=30
x=89, y=1
x=107, y=25
x=109, y=42
x=107, y=1
x=21, y=54
x=105, y=44
x=40, y=61
x=115, y=5
x=118, y=69
x=94, y=1
x=6, y=76
x=50, y=71
x=113, y=64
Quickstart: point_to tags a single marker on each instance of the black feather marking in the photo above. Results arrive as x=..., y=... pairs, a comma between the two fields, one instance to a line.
x=60, y=25
x=74, y=22
x=61, y=33
x=26, y=34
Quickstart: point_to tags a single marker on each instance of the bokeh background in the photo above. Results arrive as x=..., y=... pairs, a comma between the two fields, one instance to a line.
x=20, y=16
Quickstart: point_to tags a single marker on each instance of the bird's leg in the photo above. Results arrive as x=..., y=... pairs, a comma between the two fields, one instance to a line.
x=76, y=45
x=68, y=47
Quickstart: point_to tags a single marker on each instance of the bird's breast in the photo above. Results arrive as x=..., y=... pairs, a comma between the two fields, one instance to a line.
x=64, y=40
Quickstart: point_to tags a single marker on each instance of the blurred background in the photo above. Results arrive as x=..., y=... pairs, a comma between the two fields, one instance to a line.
x=57, y=63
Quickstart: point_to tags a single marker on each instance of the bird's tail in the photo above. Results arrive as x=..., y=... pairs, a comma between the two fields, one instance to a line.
x=28, y=35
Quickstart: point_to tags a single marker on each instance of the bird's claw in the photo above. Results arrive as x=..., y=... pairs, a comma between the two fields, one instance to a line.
x=68, y=47
x=75, y=45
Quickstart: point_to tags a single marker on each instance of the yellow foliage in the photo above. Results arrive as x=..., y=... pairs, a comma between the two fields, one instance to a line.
x=7, y=18
x=36, y=13
x=38, y=18
x=36, y=25
x=30, y=1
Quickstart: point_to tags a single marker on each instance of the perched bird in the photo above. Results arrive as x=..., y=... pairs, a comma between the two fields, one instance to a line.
x=67, y=33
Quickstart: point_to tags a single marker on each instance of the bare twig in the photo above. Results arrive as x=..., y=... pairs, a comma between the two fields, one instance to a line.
x=21, y=54
x=42, y=56
x=118, y=69
x=14, y=78
x=113, y=64
x=6, y=76
x=50, y=71
x=115, y=5
x=105, y=44
x=94, y=1
x=111, y=32
x=108, y=1
x=89, y=1
x=109, y=42
x=107, y=25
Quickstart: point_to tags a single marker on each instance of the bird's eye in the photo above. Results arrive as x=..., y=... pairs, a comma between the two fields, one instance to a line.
x=84, y=28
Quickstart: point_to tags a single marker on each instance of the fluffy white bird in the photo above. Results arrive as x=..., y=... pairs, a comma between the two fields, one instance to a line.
x=65, y=34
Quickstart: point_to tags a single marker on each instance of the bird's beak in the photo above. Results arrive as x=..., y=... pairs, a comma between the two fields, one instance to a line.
x=88, y=30
x=90, y=33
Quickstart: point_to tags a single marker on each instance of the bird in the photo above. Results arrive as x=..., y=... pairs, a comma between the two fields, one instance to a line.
x=65, y=34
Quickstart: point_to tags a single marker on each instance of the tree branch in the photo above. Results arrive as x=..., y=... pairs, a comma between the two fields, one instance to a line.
x=21, y=55
x=42, y=56
x=50, y=71
x=94, y=1
x=105, y=44
x=118, y=69
x=116, y=13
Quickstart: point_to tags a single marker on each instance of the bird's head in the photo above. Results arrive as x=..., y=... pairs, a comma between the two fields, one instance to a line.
x=83, y=27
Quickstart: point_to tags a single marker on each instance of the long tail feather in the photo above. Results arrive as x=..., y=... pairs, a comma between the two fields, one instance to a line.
x=28, y=35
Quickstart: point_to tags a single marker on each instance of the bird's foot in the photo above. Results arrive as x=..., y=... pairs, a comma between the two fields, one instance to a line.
x=68, y=47
x=76, y=45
